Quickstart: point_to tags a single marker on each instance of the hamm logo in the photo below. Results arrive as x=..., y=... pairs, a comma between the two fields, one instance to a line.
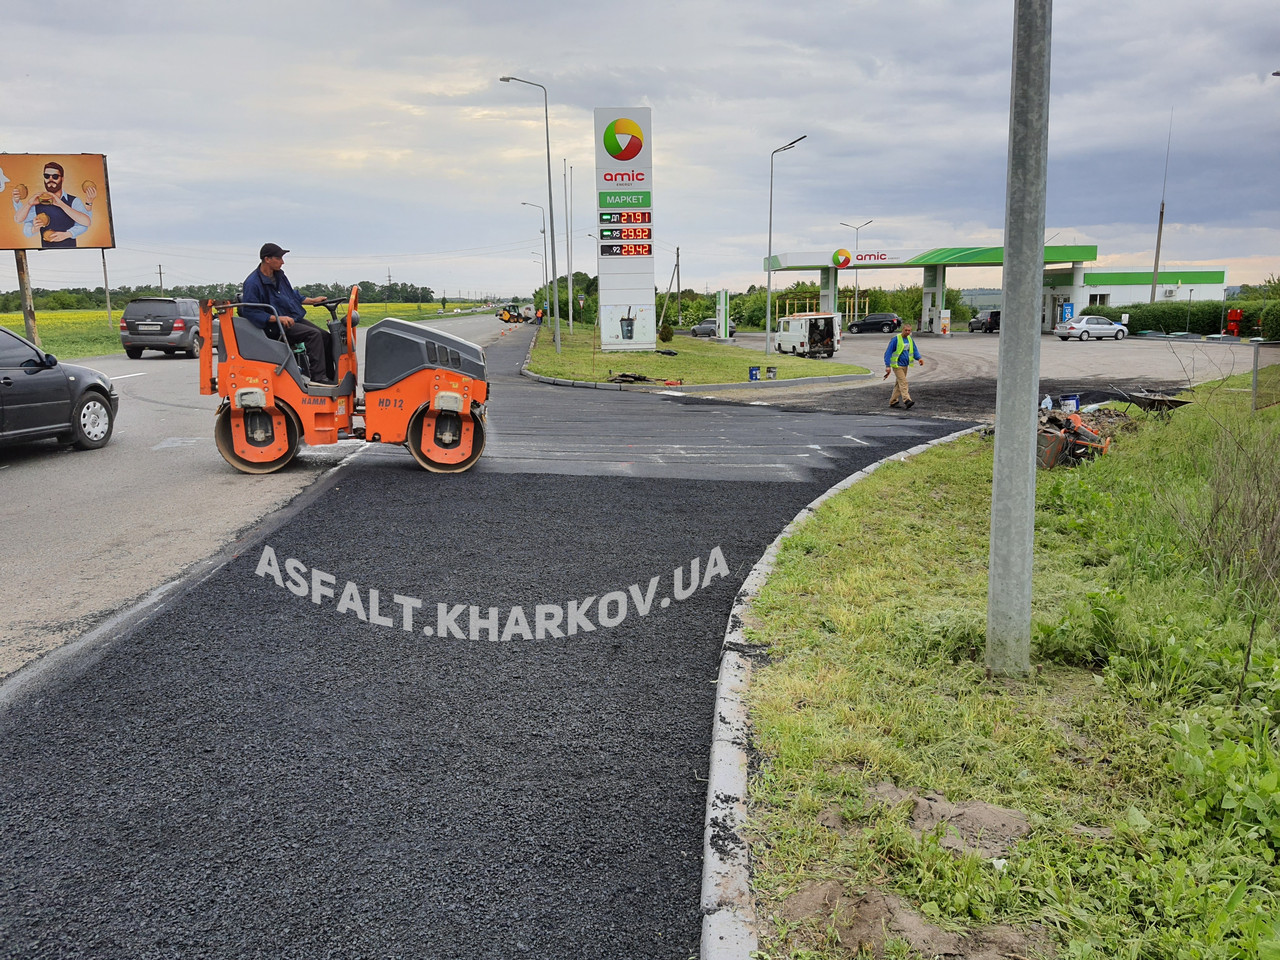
x=841, y=258
x=623, y=139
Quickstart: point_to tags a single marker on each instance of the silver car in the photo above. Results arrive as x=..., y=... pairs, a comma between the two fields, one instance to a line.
x=1086, y=327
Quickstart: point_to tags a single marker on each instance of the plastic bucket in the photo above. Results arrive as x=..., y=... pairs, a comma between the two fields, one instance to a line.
x=771, y=373
x=753, y=373
x=1070, y=403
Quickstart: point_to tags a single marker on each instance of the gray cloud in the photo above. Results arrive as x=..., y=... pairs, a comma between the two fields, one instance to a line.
x=376, y=138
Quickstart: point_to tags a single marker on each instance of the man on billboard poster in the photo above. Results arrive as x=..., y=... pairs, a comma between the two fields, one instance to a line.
x=54, y=215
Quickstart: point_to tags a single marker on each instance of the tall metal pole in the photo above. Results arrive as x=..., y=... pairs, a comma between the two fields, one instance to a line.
x=1155, y=271
x=768, y=299
x=855, y=260
x=1013, y=487
x=544, y=245
x=551, y=212
x=568, y=237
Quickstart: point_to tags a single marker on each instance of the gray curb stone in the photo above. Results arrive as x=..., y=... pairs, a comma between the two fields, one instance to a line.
x=728, y=908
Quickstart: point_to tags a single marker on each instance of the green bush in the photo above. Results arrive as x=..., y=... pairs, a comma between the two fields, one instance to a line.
x=665, y=333
x=1201, y=316
x=1271, y=321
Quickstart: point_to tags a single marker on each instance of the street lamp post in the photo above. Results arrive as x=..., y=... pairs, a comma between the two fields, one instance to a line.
x=1190, y=291
x=544, y=243
x=551, y=209
x=768, y=299
x=542, y=260
x=855, y=261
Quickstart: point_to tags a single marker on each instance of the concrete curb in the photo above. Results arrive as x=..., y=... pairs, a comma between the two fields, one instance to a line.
x=728, y=908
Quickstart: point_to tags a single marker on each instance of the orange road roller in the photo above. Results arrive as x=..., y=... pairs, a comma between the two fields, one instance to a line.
x=423, y=388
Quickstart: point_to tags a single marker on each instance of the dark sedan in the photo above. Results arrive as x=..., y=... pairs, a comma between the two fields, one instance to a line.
x=41, y=398
x=873, y=322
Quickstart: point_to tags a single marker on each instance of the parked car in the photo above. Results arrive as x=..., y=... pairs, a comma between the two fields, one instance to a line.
x=883, y=322
x=160, y=323
x=1086, y=327
x=707, y=328
x=41, y=398
x=988, y=321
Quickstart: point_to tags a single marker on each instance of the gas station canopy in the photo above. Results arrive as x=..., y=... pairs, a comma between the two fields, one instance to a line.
x=936, y=257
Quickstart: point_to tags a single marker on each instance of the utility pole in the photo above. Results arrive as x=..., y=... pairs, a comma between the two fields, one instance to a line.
x=160, y=270
x=28, y=305
x=1155, y=272
x=1013, y=487
x=679, y=300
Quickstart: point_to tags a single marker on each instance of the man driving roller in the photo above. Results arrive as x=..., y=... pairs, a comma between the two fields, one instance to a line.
x=287, y=316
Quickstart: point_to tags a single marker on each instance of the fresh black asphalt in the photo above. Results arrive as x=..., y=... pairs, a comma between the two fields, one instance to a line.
x=249, y=773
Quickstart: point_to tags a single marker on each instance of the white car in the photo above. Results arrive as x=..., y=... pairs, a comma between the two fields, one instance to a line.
x=1086, y=327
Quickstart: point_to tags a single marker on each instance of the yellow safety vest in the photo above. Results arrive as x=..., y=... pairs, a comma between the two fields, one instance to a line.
x=904, y=345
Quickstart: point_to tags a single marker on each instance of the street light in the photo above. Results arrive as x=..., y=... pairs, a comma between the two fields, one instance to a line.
x=768, y=299
x=1190, y=291
x=551, y=207
x=855, y=261
x=543, y=261
x=544, y=242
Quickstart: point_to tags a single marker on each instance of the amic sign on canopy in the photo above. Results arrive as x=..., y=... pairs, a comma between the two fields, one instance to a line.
x=624, y=220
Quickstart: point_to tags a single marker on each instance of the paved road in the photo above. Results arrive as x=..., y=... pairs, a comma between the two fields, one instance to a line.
x=126, y=519
x=421, y=715
x=959, y=378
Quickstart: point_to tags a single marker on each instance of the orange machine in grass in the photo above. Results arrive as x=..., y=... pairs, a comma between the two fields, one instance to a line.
x=423, y=388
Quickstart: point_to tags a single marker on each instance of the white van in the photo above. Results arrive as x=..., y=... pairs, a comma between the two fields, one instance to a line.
x=809, y=334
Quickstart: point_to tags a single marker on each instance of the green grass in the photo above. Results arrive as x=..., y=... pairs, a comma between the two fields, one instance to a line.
x=69, y=334
x=697, y=361
x=1141, y=634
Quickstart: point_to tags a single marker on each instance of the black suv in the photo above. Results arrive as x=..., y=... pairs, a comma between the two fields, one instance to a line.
x=884, y=322
x=988, y=321
x=160, y=323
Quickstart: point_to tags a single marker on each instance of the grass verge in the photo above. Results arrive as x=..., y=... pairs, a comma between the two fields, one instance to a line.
x=696, y=361
x=1145, y=752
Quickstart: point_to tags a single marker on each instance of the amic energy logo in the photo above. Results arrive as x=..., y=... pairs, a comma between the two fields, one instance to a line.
x=841, y=258
x=623, y=139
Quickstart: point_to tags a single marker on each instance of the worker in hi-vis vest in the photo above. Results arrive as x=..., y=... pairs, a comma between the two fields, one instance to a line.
x=898, y=355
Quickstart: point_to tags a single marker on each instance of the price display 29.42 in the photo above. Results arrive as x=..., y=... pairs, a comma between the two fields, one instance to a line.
x=626, y=249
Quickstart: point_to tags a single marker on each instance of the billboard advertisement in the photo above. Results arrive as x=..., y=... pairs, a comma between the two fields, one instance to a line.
x=624, y=218
x=55, y=201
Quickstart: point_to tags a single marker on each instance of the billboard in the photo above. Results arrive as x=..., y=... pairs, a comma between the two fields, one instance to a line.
x=624, y=220
x=55, y=201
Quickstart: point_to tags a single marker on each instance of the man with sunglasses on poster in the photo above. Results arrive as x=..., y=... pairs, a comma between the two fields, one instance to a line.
x=54, y=215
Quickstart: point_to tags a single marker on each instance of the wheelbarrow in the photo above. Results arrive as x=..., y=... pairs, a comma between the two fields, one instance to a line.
x=1159, y=403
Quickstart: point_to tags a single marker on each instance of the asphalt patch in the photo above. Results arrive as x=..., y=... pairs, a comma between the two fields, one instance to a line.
x=279, y=765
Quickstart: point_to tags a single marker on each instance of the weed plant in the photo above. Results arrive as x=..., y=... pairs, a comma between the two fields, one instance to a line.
x=1144, y=750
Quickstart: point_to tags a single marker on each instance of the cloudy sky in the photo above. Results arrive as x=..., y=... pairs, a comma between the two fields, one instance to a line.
x=374, y=137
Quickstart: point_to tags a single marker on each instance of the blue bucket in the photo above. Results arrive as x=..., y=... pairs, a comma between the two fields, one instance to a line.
x=753, y=373
x=1070, y=403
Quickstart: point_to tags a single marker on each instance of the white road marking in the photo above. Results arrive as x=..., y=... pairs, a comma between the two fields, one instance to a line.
x=126, y=376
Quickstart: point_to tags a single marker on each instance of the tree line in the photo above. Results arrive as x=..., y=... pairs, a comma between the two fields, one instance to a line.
x=84, y=298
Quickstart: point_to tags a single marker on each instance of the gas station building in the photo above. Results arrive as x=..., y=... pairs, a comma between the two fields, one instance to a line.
x=1067, y=278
